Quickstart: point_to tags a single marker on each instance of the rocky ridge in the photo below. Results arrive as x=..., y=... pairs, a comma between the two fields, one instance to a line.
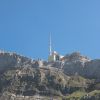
x=22, y=76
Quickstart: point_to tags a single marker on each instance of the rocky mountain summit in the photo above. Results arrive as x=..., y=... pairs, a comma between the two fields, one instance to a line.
x=75, y=78
x=75, y=57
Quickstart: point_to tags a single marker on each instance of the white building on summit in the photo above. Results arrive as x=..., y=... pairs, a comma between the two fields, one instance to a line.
x=53, y=55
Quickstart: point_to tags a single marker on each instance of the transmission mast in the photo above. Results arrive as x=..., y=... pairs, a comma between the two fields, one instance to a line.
x=50, y=46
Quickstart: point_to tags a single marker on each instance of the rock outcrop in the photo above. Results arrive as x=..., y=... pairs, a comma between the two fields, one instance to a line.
x=22, y=77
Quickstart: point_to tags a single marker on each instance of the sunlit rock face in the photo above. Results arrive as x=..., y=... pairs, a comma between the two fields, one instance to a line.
x=75, y=57
x=12, y=60
x=21, y=76
x=77, y=63
x=73, y=63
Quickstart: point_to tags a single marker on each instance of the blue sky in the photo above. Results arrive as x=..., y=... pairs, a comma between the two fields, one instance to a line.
x=75, y=26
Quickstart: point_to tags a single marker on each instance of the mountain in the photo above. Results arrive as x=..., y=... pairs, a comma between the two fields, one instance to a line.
x=82, y=65
x=74, y=78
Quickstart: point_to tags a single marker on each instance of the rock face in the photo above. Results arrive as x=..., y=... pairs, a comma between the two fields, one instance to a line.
x=22, y=76
x=13, y=60
x=76, y=57
x=75, y=63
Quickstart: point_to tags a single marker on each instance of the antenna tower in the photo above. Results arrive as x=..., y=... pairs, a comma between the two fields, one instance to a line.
x=50, y=46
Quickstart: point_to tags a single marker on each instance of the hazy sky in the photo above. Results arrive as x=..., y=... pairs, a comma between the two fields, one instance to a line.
x=75, y=26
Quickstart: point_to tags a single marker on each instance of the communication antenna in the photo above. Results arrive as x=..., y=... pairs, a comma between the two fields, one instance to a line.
x=50, y=45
